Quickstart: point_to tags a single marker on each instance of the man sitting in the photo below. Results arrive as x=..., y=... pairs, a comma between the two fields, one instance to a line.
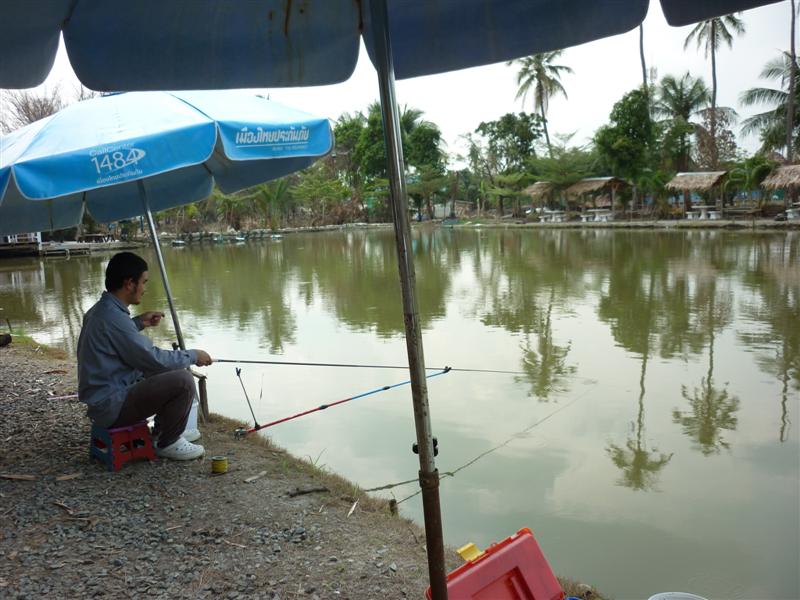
x=122, y=376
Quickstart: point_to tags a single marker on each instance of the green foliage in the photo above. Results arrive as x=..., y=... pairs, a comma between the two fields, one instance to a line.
x=318, y=190
x=428, y=184
x=712, y=33
x=510, y=139
x=419, y=148
x=626, y=143
x=424, y=151
x=566, y=166
x=347, y=132
x=369, y=152
x=271, y=200
x=677, y=102
x=748, y=175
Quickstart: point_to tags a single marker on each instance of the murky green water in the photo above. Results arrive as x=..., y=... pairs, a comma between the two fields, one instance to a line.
x=651, y=443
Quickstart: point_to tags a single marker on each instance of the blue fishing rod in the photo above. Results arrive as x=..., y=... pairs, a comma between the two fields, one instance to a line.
x=243, y=431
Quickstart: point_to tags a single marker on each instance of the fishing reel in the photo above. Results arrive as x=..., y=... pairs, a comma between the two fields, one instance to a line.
x=415, y=447
x=240, y=433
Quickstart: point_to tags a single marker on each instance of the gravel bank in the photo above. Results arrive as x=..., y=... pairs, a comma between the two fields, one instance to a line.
x=171, y=529
x=70, y=529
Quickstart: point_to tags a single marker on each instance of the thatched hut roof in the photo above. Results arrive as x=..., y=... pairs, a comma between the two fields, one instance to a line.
x=701, y=181
x=540, y=189
x=783, y=177
x=594, y=184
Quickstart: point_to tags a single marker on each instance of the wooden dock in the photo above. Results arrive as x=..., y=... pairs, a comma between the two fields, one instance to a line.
x=63, y=249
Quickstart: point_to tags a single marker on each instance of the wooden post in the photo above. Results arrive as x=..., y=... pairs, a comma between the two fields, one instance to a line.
x=613, y=196
x=204, y=400
x=202, y=392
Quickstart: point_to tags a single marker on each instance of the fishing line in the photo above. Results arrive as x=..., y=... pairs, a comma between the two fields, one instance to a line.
x=358, y=366
x=241, y=432
x=485, y=453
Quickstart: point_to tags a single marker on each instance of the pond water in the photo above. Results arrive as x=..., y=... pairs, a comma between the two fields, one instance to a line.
x=649, y=437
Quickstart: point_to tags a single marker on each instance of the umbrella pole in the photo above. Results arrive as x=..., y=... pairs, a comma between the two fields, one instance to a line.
x=428, y=475
x=154, y=235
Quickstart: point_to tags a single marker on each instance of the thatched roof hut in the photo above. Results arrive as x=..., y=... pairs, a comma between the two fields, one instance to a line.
x=602, y=189
x=701, y=181
x=592, y=185
x=540, y=189
x=783, y=177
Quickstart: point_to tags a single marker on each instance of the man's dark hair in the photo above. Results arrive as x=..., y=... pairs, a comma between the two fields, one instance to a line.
x=121, y=267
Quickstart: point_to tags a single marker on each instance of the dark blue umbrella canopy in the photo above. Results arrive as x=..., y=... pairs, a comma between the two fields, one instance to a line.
x=215, y=44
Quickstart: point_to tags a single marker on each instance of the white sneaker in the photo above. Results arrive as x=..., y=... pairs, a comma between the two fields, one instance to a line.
x=181, y=450
x=191, y=435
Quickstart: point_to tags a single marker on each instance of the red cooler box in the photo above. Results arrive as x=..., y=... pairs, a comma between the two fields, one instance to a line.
x=514, y=569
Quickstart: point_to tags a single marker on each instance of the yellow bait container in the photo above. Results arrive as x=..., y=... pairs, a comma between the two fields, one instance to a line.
x=219, y=465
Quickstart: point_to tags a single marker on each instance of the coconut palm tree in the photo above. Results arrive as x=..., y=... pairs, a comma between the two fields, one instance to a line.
x=712, y=34
x=539, y=76
x=771, y=123
x=792, y=85
x=678, y=101
x=641, y=56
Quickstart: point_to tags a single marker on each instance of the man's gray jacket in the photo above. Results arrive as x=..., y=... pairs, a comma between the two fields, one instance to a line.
x=113, y=356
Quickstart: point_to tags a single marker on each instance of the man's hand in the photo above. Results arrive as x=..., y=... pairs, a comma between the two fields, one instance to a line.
x=203, y=358
x=151, y=318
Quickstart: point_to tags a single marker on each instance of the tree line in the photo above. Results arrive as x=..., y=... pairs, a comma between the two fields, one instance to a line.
x=654, y=131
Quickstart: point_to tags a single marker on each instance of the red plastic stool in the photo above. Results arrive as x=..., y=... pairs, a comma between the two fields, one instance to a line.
x=117, y=446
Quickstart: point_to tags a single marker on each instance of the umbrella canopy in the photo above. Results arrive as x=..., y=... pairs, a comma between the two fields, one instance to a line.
x=93, y=154
x=113, y=44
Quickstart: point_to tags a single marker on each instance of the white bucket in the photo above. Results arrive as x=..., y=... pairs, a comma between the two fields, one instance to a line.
x=676, y=596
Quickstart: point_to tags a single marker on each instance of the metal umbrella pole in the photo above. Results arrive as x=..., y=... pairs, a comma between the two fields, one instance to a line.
x=154, y=235
x=428, y=475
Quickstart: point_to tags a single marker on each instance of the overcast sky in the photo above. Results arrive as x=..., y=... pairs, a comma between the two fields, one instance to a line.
x=603, y=71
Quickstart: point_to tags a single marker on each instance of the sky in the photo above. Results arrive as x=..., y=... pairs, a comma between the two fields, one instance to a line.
x=603, y=71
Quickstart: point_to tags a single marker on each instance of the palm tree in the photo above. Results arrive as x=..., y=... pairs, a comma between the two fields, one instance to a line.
x=712, y=34
x=748, y=175
x=641, y=56
x=792, y=86
x=771, y=123
x=678, y=100
x=539, y=76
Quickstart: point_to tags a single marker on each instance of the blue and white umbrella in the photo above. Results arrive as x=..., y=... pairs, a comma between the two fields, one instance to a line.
x=125, y=155
x=111, y=153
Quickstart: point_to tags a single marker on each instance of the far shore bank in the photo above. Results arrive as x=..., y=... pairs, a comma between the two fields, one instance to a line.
x=67, y=249
x=511, y=223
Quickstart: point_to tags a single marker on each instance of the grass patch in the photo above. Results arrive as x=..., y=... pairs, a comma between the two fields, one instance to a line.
x=28, y=344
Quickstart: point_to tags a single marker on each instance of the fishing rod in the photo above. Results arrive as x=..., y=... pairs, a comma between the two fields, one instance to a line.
x=357, y=366
x=243, y=431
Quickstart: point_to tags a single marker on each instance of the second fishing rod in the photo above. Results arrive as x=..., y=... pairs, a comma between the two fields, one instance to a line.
x=244, y=431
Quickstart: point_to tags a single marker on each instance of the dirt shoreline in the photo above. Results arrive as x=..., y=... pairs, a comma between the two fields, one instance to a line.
x=71, y=529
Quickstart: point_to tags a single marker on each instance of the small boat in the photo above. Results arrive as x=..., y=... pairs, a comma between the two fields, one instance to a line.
x=276, y=236
x=179, y=243
x=238, y=239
